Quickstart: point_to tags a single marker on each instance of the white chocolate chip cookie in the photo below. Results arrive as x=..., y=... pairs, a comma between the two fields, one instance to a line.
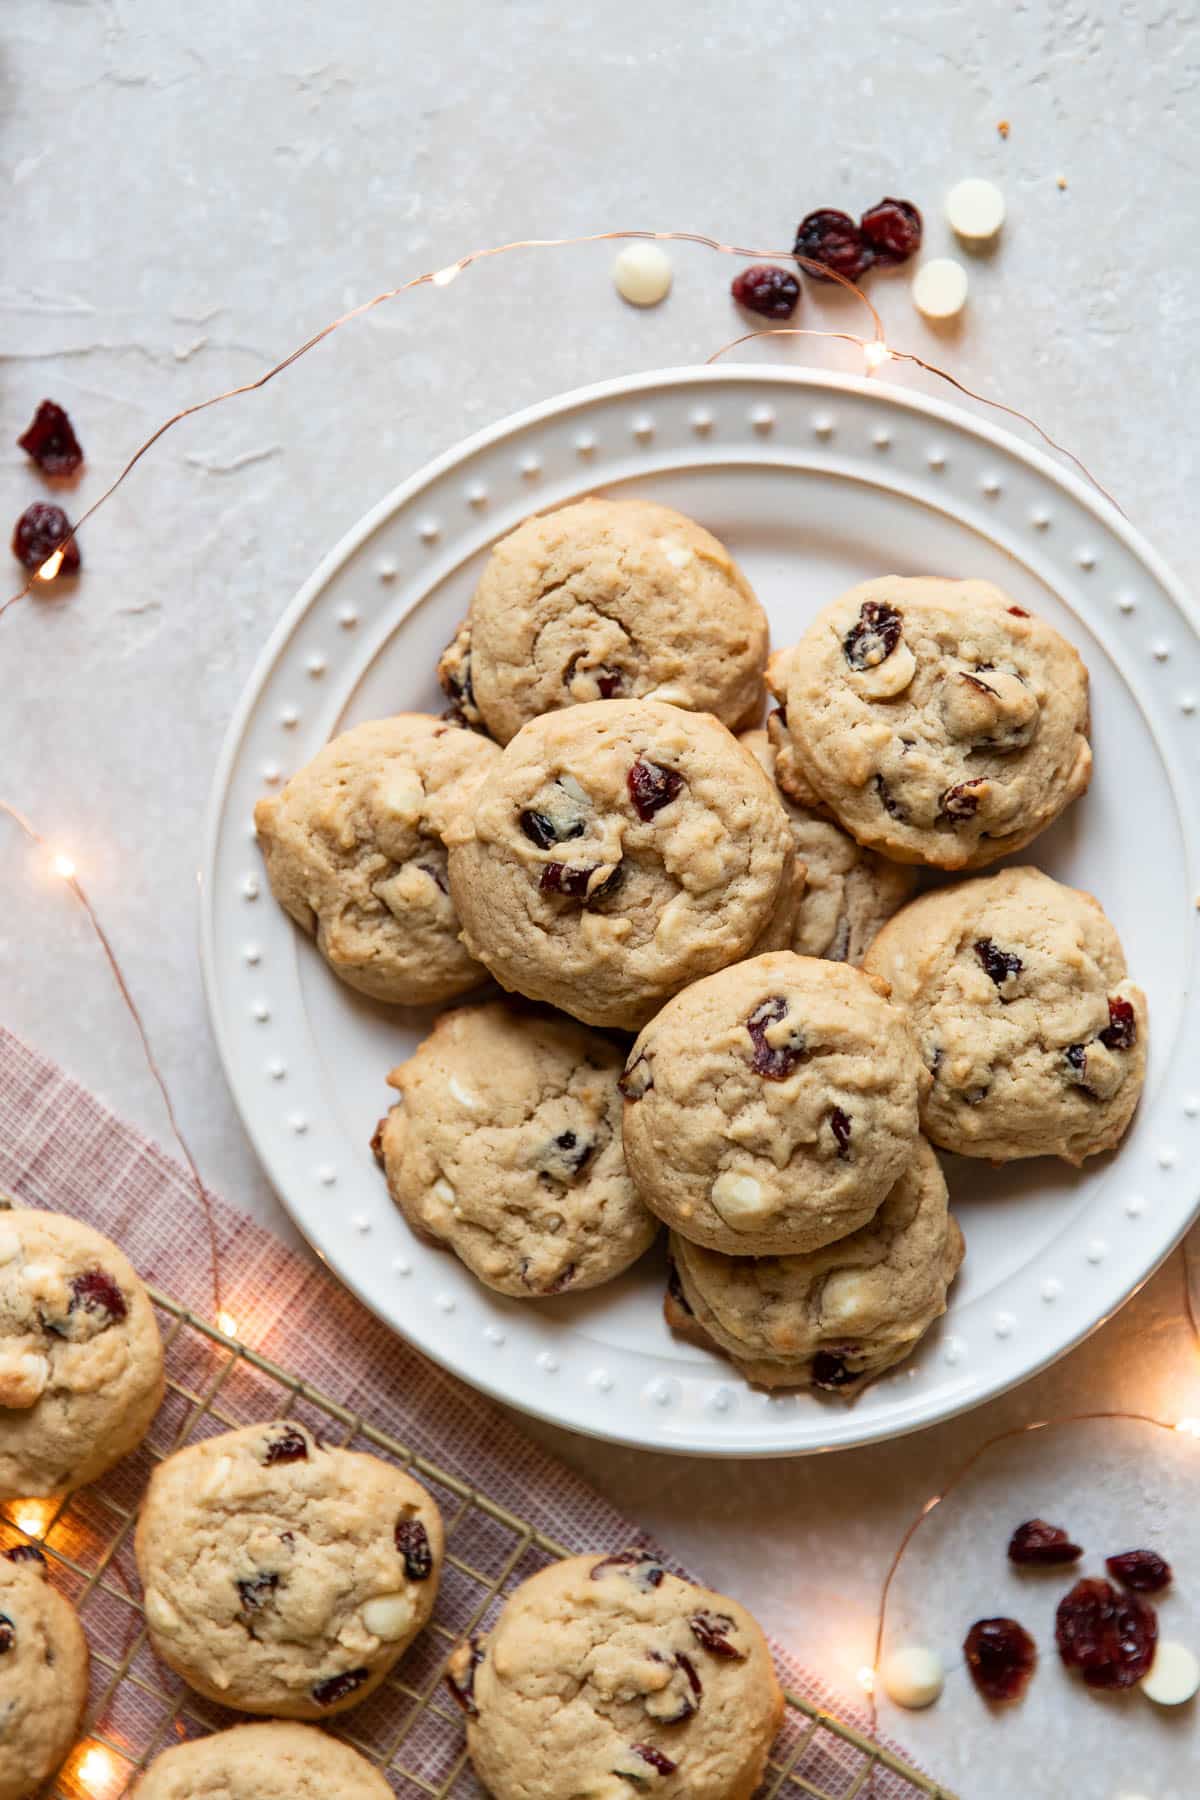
x=81, y=1362
x=937, y=721
x=280, y=1577
x=275, y=1761
x=1034, y=1035
x=607, y=600
x=506, y=1145
x=43, y=1674
x=616, y=852
x=849, y=892
x=770, y=1108
x=355, y=852
x=837, y=1317
x=606, y=1677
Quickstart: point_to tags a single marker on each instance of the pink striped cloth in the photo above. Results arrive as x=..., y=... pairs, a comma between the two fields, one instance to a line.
x=62, y=1149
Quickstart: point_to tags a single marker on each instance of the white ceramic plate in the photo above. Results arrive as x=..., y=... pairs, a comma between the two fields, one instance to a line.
x=815, y=482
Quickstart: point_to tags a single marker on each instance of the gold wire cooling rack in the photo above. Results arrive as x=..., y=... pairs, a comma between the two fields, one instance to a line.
x=410, y=1727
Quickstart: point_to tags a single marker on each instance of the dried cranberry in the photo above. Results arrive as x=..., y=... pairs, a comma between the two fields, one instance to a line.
x=463, y=1692
x=1001, y=1656
x=610, y=682
x=831, y=237
x=999, y=964
x=839, y=1124
x=675, y=1289
x=561, y=878
x=893, y=230
x=24, y=1553
x=98, y=1293
x=39, y=531
x=635, y=1079
x=1143, y=1570
x=1019, y=612
x=1109, y=1636
x=570, y=1151
x=1039, y=1543
x=651, y=787
x=336, y=1687
x=1121, y=1031
x=1075, y=1057
x=562, y=1280
x=895, y=809
x=640, y=1566
x=256, y=1591
x=655, y=1758
x=875, y=635
x=377, y=1144
x=829, y=1370
x=689, y=1669
x=542, y=830
x=50, y=440
x=767, y=290
x=774, y=1062
x=290, y=1446
x=711, y=1631
x=960, y=802
x=412, y=1541
x=8, y=1634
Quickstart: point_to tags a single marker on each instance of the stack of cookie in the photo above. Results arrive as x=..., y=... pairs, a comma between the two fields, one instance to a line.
x=616, y=841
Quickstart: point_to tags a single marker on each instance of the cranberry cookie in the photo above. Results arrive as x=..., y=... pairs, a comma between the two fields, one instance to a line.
x=849, y=892
x=355, y=853
x=770, y=1108
x=616, y=852
x=43, y=1674
x=607, y=600
x=1033, y=1033
x=275, y=1761
x=606, y=1676
x=837, y=1317
x=507, y=1147
x=81, y=1362
x=281, y=1577
x=937, y=721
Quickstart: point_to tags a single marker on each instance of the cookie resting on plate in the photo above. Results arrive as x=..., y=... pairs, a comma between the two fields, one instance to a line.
x=607, y=1676
x=771, y=1107
x=43, y=1673
x=281, y=1577
x=273, y=1761
x=81, y=1361
x=616, y=852
x=607, y=600
x=837, y=1317
x=506, y=1146
x=1033, y=1034
x=937, y=721
x=355, y=852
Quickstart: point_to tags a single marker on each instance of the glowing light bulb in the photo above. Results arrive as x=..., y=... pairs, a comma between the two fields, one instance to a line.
x=866, y=1679
x=1189, y=1427
x=51, y=566
x=445, y=276
x=96, y=1769
x=227, y=1323
x=63, y=865
x=875, y=355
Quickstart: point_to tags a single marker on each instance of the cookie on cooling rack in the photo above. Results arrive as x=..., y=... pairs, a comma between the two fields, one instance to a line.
x=935, y=720
x=276, y=1761
x=81, y=1362
x=355, y=852
x=43, y=1674
x=506, y=1146
x=770, y=1108
x=607, y=600
x=849, y=892
x=281, y=1577
x=1033, y=1034
x=672, y=1690
x=839, y=1316
x=616, y=852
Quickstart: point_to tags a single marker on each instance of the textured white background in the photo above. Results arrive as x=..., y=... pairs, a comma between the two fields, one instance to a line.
x=190, y=190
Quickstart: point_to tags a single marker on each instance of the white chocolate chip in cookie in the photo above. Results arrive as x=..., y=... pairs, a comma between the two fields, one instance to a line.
x=160, y=1612
x=401, y=794
x=10, y=1245
x=889, y=677
x=217, y=1479
x=23, y=1378
x=740, y=1200
x=389, y=1616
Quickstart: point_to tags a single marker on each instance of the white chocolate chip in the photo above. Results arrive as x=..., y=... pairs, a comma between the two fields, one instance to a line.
x=669, y=696
x=401, y=794
x=23, y=1378
x=642, y=273
x=10, y=1245
x=913, y=1676
x=569, y=785
x=388, y=1616
x=740, y=1200
x=1173, y=1677
x=218, y=1477
x=885, y=679
x=939, y=289
x=160, y=1612
x=678, y=555
x=975, y=209
x=843, y=1297
x=464, y=1096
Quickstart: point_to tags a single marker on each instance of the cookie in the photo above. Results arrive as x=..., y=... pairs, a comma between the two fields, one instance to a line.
x=616, y=852
x=606, y=1676
x=770, y=1108
x=506, y=1146
x=1033, y=1034
x=355, y=852
x=604, y=600
x=281, y=1577
x=81, y=1361
x=275, y=1761
x=835, y=1318
x=849, y=892
x=43, y=1674
x=937, y=721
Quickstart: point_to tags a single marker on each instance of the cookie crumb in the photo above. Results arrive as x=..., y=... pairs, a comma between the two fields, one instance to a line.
x=1062, y=182
x=1003, y=127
